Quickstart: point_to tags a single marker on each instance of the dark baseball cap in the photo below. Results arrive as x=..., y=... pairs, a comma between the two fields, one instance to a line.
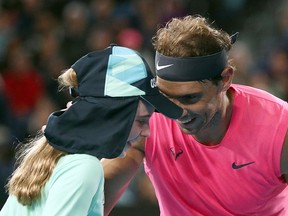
x=111, y=82
x=121, y=72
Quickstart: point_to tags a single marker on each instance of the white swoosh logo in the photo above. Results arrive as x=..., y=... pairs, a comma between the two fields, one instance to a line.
x=158, y=67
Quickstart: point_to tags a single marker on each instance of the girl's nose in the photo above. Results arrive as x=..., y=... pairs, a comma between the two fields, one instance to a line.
x=145, y=131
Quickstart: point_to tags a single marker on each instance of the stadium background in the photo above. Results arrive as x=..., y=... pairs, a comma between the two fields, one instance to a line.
x=38, y=39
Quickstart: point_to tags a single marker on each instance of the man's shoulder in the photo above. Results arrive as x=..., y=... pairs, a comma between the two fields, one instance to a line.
x=252, y=93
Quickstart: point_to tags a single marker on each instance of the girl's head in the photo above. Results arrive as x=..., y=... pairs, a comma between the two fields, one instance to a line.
x=107, y=86
x=140, y=127
x=115, y=95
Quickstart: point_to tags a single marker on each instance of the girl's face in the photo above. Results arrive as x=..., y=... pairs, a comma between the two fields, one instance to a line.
x=140, y=128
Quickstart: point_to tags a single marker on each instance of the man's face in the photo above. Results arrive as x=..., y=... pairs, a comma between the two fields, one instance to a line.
x=200, y=100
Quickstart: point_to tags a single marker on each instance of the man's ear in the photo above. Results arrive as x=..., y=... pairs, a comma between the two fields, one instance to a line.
x=227, y=77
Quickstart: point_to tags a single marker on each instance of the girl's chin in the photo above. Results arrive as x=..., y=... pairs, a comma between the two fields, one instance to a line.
x=126, y=147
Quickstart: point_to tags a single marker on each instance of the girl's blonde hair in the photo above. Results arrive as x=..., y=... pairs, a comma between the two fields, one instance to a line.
x=36, y=159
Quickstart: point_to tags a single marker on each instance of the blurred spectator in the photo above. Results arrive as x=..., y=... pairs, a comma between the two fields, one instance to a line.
x=173, y=8
x=130, y=37
x=23, y=88
x=277, y=70
x=6, y=147
x=51, y=63
x=102, y=12
x=149, y=17
x=99, y=37
x=243, y=61
x=6, y=161
x=5, y=111
x=38, y=118
x=75, y=30
x=7, y=30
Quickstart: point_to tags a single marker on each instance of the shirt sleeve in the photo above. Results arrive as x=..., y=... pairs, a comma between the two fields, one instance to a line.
x=75, y=188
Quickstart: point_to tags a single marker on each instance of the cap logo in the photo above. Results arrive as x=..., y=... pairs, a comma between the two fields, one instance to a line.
x=153, y=83
x=124, y=68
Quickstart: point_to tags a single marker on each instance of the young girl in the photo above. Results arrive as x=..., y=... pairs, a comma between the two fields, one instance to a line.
x=59, y=172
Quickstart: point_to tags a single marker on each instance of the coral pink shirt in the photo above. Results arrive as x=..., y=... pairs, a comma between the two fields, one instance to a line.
x=193, y=179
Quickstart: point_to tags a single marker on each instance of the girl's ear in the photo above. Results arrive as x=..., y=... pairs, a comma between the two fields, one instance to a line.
x=227, y=77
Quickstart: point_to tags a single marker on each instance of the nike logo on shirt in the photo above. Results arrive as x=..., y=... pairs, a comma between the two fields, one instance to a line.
x=238, y=166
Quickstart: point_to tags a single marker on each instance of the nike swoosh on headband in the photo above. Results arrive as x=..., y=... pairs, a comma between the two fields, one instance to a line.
x=160, y=67
x=192, y=68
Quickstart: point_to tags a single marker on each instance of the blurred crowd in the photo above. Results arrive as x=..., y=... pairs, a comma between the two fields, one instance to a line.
x=39, y=39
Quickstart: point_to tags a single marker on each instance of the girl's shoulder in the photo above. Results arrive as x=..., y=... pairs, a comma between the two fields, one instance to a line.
x=79, y=168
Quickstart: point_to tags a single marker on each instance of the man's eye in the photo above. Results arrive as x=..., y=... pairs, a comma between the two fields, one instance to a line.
x=188, y=99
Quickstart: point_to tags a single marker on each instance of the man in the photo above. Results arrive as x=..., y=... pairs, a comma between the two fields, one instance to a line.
x=227, y=154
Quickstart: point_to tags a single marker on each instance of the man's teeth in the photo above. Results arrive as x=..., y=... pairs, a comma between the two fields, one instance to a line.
x=186, y=121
